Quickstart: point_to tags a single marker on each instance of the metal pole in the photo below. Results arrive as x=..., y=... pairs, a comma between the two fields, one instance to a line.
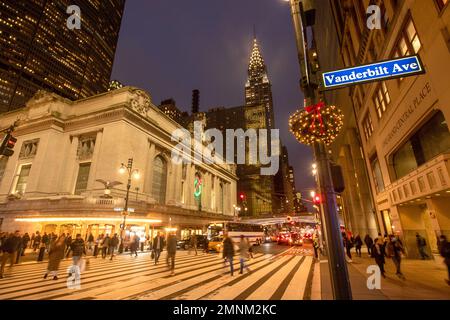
x=330, y=222
x=125, y=209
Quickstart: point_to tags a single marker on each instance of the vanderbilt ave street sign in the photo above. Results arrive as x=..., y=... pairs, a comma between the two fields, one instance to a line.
x=403, y=67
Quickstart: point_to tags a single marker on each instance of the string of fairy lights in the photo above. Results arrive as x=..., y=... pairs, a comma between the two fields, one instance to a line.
x=316, y=123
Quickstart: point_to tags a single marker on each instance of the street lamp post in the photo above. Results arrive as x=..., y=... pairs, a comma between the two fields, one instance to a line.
x=131, y=174
x=336, y=256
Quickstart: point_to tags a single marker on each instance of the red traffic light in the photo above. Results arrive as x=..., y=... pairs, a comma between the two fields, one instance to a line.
x=11, y=142
x=242, y=196
x=317, y=199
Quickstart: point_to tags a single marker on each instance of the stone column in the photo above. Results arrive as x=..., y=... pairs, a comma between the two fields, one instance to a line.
x=94, y=161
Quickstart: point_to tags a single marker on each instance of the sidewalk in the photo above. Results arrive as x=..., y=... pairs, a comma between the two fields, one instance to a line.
x=424, y=280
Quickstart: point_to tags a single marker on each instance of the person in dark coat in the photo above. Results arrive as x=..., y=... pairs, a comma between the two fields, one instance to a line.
x=46, y=240
x=10, y=248
x=20, y=250
x=90, y=240
x=158, y=246
x=422, y=245
x=134, y=246
x=228, y=252
x=68, y=243
x=348, y=245
x=369, y=243
x=444, y=250
x=358, y=244
x=395, y=250
x=55, y=255
x=113, y=243
x=378, y=254
x=25, y=240
x=171, y=252
x=78, y=249
x=105, y=245
x=37, y=241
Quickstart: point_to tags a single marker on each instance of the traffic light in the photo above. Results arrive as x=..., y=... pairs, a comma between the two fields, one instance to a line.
x=6, y=149
x=242, y=196
x=317, y=199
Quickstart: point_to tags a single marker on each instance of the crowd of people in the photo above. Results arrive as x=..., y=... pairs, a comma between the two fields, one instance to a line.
x=391, y=247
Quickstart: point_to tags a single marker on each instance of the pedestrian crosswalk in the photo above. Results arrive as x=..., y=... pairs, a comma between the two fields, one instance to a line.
x=273, y=276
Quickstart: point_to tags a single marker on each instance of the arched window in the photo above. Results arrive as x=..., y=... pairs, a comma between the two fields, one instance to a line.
x=159, y=180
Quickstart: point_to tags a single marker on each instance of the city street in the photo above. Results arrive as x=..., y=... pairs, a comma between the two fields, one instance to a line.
x=277, y=272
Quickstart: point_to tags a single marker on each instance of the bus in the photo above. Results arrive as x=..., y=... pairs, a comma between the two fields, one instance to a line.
x=253, y=232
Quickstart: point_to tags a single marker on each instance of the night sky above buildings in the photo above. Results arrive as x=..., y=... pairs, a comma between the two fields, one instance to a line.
x=170, y=48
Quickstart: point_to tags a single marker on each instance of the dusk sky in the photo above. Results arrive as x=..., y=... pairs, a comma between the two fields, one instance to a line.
x=170, y=48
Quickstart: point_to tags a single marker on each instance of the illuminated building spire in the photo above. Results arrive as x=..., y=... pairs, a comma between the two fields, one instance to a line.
x=256, y=67
x=258, y=90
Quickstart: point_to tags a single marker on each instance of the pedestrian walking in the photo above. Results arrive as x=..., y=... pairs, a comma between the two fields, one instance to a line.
x=369, y=243
x=20, y=249
x=244, y=247
x=68, y=243
x=171, y=252
x=90, y=241
x=158, y=246
x=228, y=252
x=10, y=246
x=105, y=246
x=316, y=246
x=395, y=250
x=78, y=249
x=113, y=243
x=358, y=244
x=33, y=236
x=134, y=246
x=444, y=251
x=98, y=243
x=193, y=244
x=55, y=255
x=41, y=253
x=25, y=240
x=421, y=245
x=348, y=245
x=378, y=255
x=37, y=241
x=46, y=240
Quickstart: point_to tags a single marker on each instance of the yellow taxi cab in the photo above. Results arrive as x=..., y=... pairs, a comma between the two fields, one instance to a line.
x=216, y=244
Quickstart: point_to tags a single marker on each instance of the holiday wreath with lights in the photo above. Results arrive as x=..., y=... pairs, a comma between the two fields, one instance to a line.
x=316, y=123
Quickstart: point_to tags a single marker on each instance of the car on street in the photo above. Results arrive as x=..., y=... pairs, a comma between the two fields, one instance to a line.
x=216, y=244
x=185, y=243
x=284, y=238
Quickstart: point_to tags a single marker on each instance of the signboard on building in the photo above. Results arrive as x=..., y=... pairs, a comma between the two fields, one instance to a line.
x=384, y=70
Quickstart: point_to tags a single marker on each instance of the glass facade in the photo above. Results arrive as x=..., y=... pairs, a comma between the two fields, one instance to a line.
x=38, y=51
x=430, y=141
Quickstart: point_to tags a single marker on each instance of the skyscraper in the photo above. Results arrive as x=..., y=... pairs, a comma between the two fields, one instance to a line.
x=38, y=50
x=258, y=90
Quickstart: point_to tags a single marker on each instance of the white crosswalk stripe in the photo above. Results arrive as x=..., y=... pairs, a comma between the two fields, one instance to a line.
x=281, y=276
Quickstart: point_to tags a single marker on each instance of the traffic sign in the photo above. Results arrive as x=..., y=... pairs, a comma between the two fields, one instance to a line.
x=389, y=69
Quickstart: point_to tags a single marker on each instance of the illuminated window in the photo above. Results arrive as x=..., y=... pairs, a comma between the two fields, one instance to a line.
x=22, y=179
x=381, y=99
x=409, y=42
x=368, y=126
